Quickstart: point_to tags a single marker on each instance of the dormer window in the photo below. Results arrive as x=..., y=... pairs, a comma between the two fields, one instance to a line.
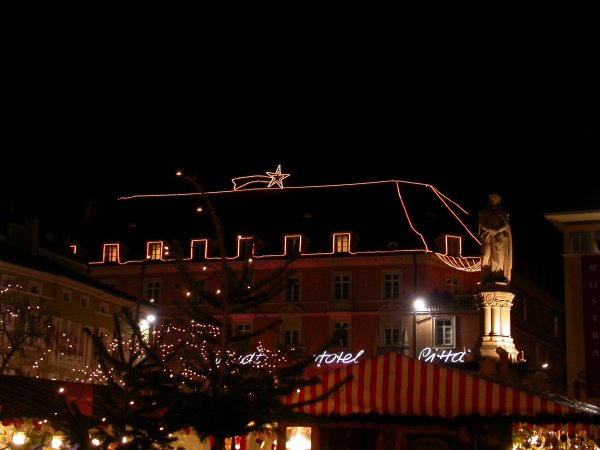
x=246, y=248
x=453, y=245
x=155, y=250
x=341, y=242
x=111, y=252
x=292, y=245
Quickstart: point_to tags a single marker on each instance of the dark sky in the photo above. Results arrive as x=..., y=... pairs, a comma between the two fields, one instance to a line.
x=520, y=119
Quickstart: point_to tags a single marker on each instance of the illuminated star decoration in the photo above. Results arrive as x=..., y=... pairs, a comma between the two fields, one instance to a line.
x=271, y=179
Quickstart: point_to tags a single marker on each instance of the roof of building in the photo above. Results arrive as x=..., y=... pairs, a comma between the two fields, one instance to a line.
x=381, y=216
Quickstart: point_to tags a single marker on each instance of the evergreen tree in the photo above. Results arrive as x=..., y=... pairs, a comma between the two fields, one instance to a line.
x=192, y=373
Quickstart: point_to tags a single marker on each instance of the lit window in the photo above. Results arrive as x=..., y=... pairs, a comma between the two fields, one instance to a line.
x=342, y=243
x=443, y=332
x=391, y=286
x=155, y=250
x=111, y=253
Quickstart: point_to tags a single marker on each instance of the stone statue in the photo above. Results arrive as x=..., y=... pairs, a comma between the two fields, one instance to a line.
x=496, y=243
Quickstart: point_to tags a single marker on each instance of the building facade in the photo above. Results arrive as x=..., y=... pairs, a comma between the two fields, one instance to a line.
x=46, y=302
x=362, y=256
x=581, y=244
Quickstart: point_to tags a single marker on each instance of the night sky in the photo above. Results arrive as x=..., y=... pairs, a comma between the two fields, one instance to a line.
x=520, y=120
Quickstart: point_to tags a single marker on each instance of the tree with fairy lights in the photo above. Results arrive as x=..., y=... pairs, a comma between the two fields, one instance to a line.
x=194, y=371
x=26, y=332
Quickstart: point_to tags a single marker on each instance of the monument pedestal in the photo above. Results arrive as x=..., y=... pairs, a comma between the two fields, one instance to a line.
x=494, y=302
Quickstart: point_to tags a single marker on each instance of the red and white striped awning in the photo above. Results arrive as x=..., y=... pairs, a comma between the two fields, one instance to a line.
x=399, y=385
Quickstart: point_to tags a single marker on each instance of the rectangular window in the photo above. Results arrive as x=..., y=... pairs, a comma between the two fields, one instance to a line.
x=453, y=243
x=391, y=336
x=342, y=243
x=443, y=329
x=155, y=250
x=291, y=338
x=199, y=286
x=67, y=296
x=84, y=301
x=246, y=248
x=10, y=281
x=35, y=287
x=597, y=241
x=391, y=286
x=452, y=284
x=292, y=289
x=111, y=253
x=342, y=287
x=341, y=334
x=104, y=308
x=292, y=245
x=153, y=290
x=243, y=328
x=580, y=241
x=199, y=250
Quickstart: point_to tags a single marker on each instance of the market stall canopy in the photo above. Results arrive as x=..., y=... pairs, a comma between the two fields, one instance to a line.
x=397, y=385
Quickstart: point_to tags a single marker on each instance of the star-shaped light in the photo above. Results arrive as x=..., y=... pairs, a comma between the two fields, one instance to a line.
x=277, y=177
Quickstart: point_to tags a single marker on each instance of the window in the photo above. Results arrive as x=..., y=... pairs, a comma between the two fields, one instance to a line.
x=103, y=308
x=341, y=333
x=453, y=284
x=243, y=328
x=35, y=287
x=580, y=241
x=111, y=253
x=342, y=243
x=453, y=245
x=67, y=296
x=10, y=281
x=391, y=336
x=246, y=248
x=342, y=287
x=292, y=245
x=291, y=338
x=111, y=284
x=153, y=290
x=391, y=286
x=154, y=250
x=597, y=241
x=292, y=289
x=199, y=286
x=443, y=329
x=198, y=250
x=84, y=301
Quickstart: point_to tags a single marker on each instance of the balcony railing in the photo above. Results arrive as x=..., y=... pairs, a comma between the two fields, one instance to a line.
x=341, y=305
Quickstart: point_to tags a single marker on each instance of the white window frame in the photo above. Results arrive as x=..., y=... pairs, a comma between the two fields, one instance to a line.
x=444, y=332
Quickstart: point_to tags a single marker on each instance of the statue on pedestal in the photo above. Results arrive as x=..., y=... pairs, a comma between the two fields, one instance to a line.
x=496, y=243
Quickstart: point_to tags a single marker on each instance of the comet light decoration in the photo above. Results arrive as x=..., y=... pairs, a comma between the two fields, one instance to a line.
x=271, y=179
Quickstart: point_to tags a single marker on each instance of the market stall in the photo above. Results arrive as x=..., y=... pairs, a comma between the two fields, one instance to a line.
x=393, y=389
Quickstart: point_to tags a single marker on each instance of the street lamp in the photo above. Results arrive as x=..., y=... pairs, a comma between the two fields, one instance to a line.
x=419, y=305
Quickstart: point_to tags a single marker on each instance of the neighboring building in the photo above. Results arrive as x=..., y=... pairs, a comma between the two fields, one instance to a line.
x=60, y=287
x=362, y=255
x=581, y=240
